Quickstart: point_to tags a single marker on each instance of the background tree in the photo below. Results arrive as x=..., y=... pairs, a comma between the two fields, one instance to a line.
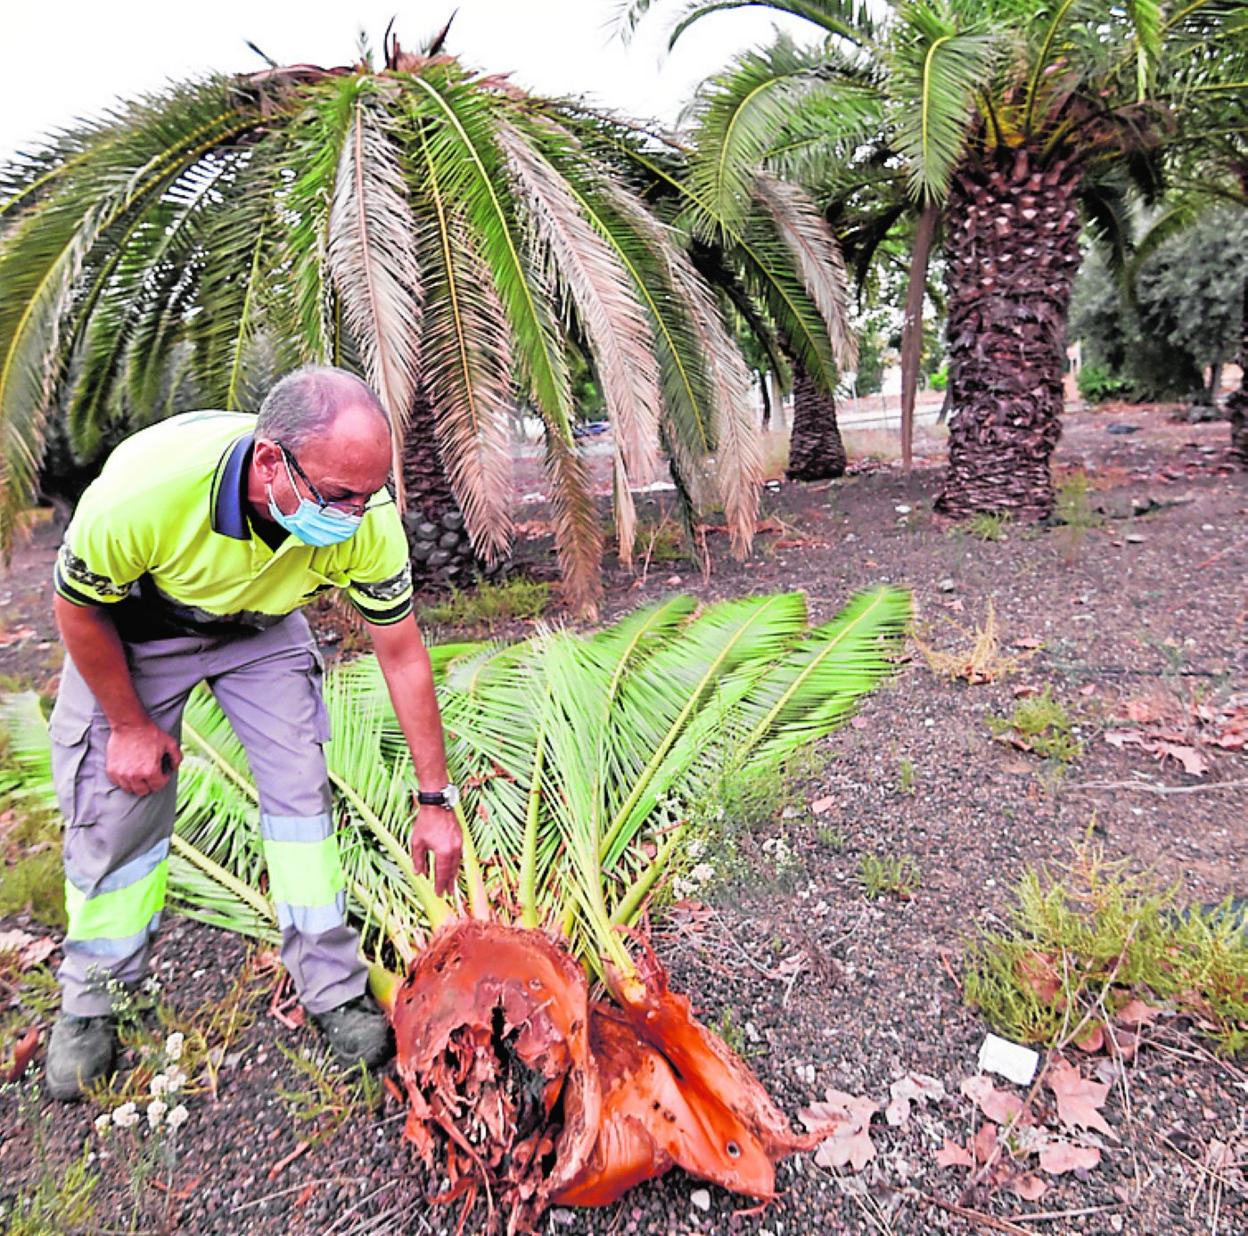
x=441, y=231
x=997, y=118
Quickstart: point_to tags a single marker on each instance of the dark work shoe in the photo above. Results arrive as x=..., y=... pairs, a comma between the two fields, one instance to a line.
x=357, y=1031
x=80, y=1052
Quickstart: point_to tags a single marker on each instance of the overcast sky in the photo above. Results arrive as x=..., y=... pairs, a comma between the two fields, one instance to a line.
x=60, y=59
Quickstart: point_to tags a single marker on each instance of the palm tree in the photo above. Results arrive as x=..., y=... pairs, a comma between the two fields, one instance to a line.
x=584, y=761
x=439, y=230
x=1209, y=169
x=995, y=117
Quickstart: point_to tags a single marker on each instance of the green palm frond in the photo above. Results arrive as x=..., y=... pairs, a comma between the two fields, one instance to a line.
x=848, y=19
x=936, y=70
x=740, y=116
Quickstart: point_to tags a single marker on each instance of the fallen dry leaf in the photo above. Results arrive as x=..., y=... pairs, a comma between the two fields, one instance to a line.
x=1079, y=1099
x=952, y=1154
x=823, y=805
x=1136, y=1013
x=1142, y=711
x=29, y=950
x=1125, y=738
x=1092, y=1039
x=1194, y=763
x=1063, y=1156
x=985, y=1141
x=26, y=1047
x=998, y=1105
x=1028, y=1187
x=1037, y=972
x=849, y=1118
x=911, y=1088
x=15, y=636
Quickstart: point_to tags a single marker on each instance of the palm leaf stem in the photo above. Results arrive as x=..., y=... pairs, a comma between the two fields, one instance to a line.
x=241, y=890
x=528, y=853
x=630, y=903
x=436, y=908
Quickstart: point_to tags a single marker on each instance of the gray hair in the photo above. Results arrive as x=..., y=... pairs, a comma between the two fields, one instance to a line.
x=304, y=404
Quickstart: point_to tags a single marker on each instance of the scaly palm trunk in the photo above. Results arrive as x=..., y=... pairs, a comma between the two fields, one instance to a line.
x=1012, y=239
x=816, y=451
x=440, y=547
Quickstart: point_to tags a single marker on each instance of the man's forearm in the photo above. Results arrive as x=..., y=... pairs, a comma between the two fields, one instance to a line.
x=409, y=679
x=95, y=648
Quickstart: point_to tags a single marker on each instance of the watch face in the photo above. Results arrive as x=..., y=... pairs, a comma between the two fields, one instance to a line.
x=450, y=795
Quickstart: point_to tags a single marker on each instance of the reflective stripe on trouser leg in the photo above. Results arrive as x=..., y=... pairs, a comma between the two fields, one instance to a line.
x=306, y=883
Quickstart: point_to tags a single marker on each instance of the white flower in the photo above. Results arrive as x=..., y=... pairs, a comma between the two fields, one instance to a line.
x=155, y=1111
x=696, y=848
x=159, y=1085
x=175, y=1079
x=126, y=1116
x=173, y=1045
x=177, y=1117
x=102, y=1123
x=702, y=873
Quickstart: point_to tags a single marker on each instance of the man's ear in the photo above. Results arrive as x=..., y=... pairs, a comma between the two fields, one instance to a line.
x=267, y=458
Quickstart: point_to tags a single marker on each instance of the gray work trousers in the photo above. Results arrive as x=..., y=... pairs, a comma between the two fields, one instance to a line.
x=116, y=847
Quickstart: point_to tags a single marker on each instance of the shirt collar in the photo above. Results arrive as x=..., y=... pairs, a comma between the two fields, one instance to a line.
x=229, y=500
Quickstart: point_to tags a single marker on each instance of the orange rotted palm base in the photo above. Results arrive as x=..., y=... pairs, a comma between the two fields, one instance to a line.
x=546, y=1098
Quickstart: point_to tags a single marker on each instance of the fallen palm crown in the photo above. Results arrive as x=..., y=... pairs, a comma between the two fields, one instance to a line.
x=544, y=1059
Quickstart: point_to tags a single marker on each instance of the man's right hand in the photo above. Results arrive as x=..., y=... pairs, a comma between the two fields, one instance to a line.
x=141, y=758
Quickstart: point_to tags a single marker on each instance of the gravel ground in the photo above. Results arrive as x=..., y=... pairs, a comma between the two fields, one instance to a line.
x=827, y=988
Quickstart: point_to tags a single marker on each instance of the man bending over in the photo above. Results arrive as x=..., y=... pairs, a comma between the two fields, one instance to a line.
x=186, y=562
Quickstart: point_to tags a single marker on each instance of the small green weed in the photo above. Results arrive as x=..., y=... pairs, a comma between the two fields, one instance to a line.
x=490, y=605
x=1040, y=725
x=987, y=525
x=661, y=540
x=733, y=1033
x=329, y=1095
x=31, y=878
x=1074, y=511
x=905, y=777
x=60, y=1199
x=1092, y=935
x=832, y=838
x=35, y=885
x=898, y=874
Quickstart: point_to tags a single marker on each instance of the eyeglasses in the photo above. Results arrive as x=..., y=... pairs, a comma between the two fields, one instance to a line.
x=353, y=504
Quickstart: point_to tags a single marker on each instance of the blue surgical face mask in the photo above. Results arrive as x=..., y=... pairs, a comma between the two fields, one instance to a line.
x=312, y=524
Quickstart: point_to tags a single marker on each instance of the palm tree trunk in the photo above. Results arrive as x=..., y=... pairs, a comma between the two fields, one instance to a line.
x=1012, y=240
x=1237, y=400
x=440, y=547
x=816, y=451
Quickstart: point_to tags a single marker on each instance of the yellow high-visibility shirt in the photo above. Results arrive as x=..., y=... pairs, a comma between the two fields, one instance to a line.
x=164, y=538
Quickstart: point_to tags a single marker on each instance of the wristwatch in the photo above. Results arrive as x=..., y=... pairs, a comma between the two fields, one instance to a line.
x=446, y=797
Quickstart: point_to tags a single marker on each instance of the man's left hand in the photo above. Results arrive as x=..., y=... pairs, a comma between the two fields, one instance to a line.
x=436, y=832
